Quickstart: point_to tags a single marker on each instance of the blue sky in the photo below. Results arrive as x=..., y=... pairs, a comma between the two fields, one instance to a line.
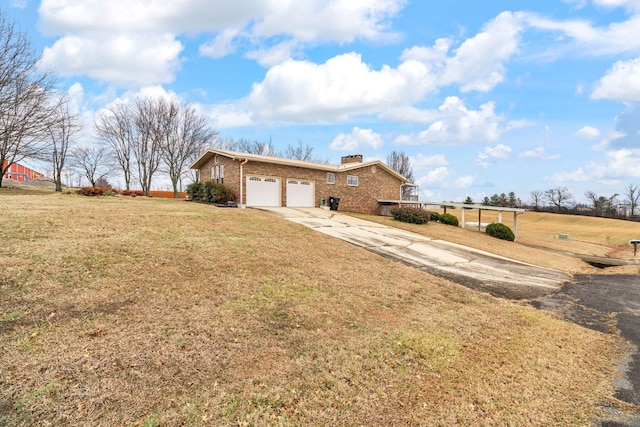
x=485, y=97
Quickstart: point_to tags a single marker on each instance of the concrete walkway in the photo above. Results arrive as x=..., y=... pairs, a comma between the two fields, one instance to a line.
x=470, y=267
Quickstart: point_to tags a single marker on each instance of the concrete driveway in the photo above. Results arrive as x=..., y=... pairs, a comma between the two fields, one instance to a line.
x=470, y=267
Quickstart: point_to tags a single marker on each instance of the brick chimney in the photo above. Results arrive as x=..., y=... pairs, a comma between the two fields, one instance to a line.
x=353, y=158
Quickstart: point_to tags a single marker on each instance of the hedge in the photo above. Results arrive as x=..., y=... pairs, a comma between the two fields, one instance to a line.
x=410, y=215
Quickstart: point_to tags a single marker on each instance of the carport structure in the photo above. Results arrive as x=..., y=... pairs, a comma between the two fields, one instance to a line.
x=466, y=207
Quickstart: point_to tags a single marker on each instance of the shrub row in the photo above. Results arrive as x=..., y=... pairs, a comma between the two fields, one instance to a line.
x=101, y=191
x=500, y=231
x=410, y=215
x=210, y=192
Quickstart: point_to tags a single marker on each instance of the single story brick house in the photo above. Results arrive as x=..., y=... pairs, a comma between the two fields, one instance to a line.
x=260, y=181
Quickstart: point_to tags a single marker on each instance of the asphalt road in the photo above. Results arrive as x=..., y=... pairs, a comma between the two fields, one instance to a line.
x=609, y=304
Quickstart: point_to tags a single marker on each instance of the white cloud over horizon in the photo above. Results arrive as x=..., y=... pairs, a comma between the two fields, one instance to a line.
x=357, y=139
x=457, y=124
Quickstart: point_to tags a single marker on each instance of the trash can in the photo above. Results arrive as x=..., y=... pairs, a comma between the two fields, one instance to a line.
x=333, y=203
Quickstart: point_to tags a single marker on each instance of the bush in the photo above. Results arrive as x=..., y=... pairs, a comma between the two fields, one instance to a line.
x=195, y=191
x=132, y=193
x=410, y=215
x=218, y=193
x=210, y=192
x=449, y=219
x=92, y=191
x=434, y=216
x=500, y=231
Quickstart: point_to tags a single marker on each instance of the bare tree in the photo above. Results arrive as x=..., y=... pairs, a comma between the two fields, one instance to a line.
x=93, y=162
x=595, y=202
x=401, y=163
x=184, y=134
x=299, y=152
x=114, y=127
x=248, y=146
x=632, y=192
x=537, y=198
x=147, y=141
x=558, y=197
x=25, y=107
x=603, y=206
x=61, y=133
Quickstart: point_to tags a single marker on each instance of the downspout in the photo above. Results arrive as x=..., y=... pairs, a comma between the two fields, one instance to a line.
x=242, y=183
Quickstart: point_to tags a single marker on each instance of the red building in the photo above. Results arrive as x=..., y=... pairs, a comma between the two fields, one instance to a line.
x=20, y=173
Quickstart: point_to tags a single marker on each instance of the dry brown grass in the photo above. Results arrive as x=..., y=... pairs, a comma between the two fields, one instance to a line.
x=119, y=311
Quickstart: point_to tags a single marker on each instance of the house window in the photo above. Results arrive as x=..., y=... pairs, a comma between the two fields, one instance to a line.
x=352, y=180
x=217, y=174
x=331, y=178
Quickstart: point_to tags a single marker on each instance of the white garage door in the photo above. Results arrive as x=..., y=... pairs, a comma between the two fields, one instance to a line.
x=263, y=191
x=300, y=193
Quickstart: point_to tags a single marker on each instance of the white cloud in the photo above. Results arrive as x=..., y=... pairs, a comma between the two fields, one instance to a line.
x=125, y=59
x=456, y=124
x=539, y=153
x=139, y=37
x=631, y=5
x=342, y=21
x=19, y=4
x=422, y=162
x=436, y=178
x=479, y=62
x=616, y=165
x=407, y=114
x=464, y=181
x=357, y=139
x=436, y=55
x=589, y=40
x=340, y=88
x=621, y=164
x=491, y=154
x=588, y=132
x=221, y=45
x=273, y=55
x=621, y=83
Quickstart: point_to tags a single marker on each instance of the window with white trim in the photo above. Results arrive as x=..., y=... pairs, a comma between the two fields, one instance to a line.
x=352, y=180
x=217, y=174
x=331, y=178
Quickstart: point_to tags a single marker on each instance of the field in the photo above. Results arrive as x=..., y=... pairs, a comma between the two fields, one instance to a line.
x=123, y=311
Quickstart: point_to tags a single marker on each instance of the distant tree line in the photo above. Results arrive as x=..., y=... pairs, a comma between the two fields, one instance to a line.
x=617, y=205
x=502, y=200
x=560, y=199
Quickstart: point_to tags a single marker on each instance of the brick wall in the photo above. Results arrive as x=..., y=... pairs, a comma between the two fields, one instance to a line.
x=374, y=182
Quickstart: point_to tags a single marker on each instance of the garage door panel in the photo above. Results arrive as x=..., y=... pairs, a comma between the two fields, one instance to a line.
x=263, y=191
x=300, y=193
